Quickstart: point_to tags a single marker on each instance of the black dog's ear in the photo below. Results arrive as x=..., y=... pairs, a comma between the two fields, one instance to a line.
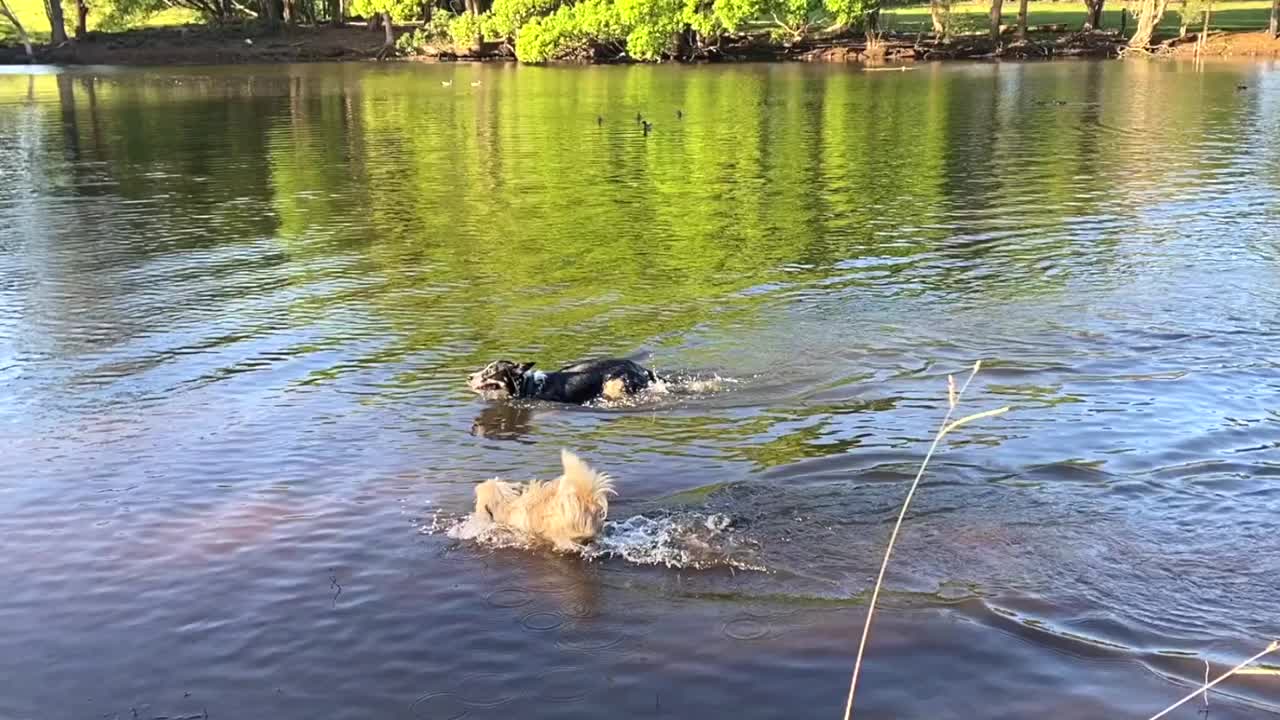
x=524, y=367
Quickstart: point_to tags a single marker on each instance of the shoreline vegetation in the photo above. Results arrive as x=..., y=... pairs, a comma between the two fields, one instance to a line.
x=189, y=32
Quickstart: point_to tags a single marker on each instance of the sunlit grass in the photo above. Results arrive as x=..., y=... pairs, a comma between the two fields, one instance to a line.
x=32, y=16
x=1233, y=15
x=967, y=17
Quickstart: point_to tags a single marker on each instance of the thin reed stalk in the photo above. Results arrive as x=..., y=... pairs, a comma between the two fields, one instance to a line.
x=953, y=399
x=1274, y=646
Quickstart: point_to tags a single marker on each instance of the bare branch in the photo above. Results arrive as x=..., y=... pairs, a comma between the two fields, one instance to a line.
x=953, y=399
x=1274, y=646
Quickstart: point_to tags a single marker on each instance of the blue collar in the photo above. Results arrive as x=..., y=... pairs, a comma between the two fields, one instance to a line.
x=532, y=382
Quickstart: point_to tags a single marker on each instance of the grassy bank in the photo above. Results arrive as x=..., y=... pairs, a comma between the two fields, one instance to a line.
x=1237, y=15
x=32, y=16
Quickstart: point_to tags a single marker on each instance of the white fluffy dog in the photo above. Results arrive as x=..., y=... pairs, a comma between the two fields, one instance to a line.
x=568, y=511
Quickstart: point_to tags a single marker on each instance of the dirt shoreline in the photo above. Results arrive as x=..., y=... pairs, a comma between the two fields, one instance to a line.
x=198, y=45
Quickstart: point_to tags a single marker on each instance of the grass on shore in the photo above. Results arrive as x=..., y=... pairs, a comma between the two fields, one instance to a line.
x=972, y=16
x=34, y=20
x=966, y=16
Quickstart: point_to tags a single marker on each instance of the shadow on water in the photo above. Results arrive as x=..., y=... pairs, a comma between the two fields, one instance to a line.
x=503, y=421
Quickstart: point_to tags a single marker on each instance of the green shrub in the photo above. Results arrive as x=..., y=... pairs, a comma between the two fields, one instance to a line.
x=849, y=13
x=410, y=43
x=466, y=29
x=506, y=17
x=401, y=10
x=437, y=28
x=434, y=32
x=599, y=20
x=732, y=14
x=650, y=29
x=651, y=26
x=545, y=38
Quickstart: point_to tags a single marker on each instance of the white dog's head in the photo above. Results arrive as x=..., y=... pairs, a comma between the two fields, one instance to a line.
x=493, y=500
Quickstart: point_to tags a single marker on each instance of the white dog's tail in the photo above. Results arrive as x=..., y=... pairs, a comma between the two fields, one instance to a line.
x=583, y=492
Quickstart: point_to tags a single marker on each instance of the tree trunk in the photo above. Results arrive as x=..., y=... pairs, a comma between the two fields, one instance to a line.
x=22, y=32
x=1204, y=30
x=388, y=38
x=1149, y=14
x=57, y=23
x=1022, y=19
x=1275, y=18
x=271, y=13
x=82, y=18
x=1184, y=23
x=996, y=6
x=938, y=12
x=337, y=15
x=1093, y=15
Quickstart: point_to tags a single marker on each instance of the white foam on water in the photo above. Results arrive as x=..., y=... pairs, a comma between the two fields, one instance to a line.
x=691, y=385
x=686, y=540
x=672, y=386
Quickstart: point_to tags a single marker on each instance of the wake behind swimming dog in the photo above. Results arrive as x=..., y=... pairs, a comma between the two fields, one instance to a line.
x=568, y=511
x=581, y=382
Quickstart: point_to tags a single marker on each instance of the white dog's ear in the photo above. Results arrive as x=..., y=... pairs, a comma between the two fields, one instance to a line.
x=580, y=478
x=572, y=462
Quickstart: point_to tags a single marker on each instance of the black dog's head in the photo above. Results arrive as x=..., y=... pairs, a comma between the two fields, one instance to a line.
x=501, y=378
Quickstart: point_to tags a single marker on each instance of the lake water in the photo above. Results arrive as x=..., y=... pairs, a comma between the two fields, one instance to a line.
x=238, y=306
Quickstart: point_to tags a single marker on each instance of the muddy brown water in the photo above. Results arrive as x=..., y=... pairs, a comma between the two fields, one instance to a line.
x=237, y=308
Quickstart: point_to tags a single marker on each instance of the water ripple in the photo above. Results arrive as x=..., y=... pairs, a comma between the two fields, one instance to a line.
x=237, y=307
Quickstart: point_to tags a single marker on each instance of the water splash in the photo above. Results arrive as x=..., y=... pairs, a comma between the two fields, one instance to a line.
x=693, y=384
x=677, y=540
x=684, y=539
x=676, y=386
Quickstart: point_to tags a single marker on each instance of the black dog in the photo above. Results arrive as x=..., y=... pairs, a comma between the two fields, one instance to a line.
x=579, y=383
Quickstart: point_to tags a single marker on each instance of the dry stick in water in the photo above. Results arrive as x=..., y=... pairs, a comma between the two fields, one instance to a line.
x=1206, y=688
x=1274, y=646
x=953, y=399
